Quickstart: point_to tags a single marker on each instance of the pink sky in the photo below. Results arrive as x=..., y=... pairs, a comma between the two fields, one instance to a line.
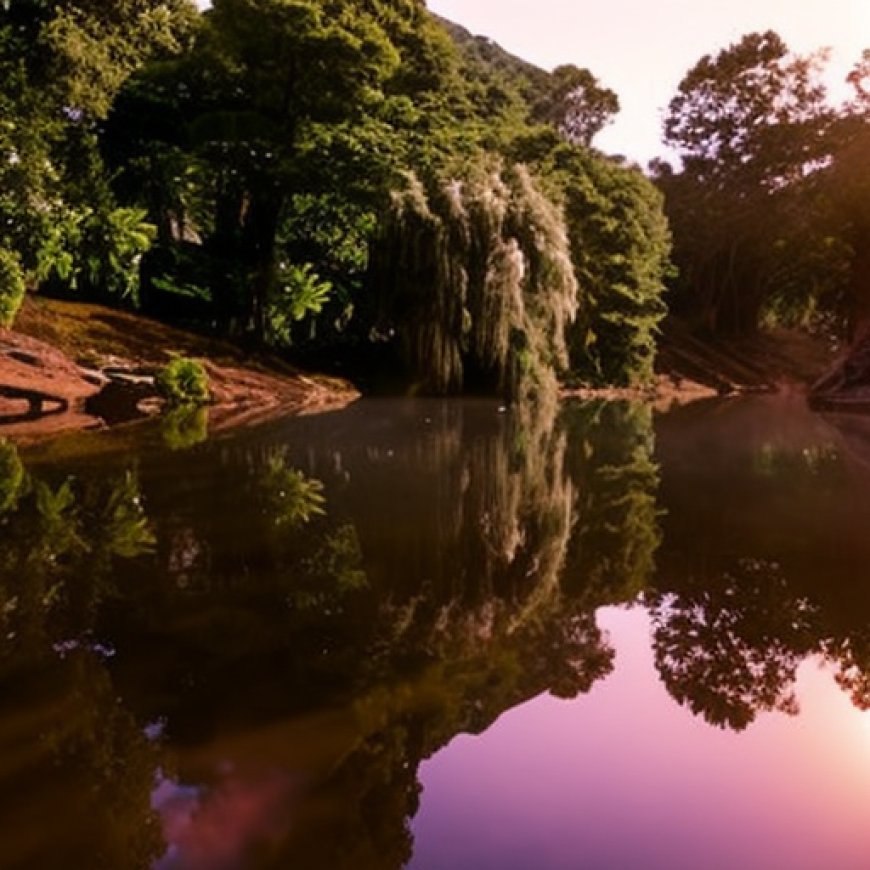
x=642, y=49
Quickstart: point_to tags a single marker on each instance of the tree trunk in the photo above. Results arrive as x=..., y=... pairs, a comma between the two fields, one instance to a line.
x=225, y=258
x=261, y=230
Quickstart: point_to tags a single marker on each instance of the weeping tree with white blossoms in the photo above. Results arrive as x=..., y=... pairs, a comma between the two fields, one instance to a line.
x=474, y=278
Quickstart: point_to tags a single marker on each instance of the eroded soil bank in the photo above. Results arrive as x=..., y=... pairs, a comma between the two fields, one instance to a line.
x=80, y=367
x=72, y=366
x=690, y=367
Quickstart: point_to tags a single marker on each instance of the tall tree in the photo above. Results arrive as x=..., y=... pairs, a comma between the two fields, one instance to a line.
x=272, y=72
x=750, y=115
x=848, y=188
x=749, y=126
x=576, y=104
x=295, y=111
x=620, y=248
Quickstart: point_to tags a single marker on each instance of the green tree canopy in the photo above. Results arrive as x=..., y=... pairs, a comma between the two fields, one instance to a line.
x=62, y=65
x=751, y=115
x=751, y=127
x=576, y=104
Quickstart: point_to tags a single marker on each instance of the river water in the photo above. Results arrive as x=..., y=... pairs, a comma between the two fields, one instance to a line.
x=441, y=635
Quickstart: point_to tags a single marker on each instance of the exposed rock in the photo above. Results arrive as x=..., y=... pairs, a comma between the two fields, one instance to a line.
x=40, y=388
x=121, y=400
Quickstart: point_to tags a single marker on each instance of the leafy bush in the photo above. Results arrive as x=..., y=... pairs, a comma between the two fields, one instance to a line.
x=183, y=381
x=56, y=255
x=98, y=251
x=113, y=246
x=11, y=287
x=298, y=292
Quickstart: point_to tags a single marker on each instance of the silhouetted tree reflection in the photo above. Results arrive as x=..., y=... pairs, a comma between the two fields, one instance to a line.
x=729, y=646
x=754, y=576
x=850, y=656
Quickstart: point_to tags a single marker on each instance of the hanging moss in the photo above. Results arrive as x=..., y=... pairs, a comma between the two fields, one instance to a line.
x=550, y=289
x=474, y=278
x=421, y=289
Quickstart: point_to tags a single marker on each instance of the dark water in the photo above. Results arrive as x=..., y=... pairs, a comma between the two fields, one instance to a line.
x=442, y=635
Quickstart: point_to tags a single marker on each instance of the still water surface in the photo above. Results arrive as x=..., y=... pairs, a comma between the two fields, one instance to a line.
x=441, y=635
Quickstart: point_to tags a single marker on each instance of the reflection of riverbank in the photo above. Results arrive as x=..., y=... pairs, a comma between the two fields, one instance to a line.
x=664, y=393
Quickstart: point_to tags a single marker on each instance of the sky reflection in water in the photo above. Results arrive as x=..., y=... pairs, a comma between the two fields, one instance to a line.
x=624, y=778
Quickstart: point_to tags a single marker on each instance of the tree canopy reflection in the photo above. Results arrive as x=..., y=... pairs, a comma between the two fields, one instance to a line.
x=76, y=761
x=758, y=575
x=337, y=600
x=423, y=606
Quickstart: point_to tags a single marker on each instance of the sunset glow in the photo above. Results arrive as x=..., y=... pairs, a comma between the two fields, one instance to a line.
x=576, y=781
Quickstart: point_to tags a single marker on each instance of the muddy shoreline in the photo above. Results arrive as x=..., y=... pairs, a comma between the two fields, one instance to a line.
x=70, y=367
x=79, y=368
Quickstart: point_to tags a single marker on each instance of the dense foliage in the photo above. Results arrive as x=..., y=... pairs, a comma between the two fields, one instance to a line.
x=61, y=67
x=620, y=247
x=246, y=170
x=769, y=208
x=11, y=287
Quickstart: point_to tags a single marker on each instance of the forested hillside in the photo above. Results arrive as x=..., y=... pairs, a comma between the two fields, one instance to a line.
x=352, y=180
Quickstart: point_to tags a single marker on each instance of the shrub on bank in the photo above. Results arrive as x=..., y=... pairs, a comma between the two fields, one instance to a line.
x=183, y=381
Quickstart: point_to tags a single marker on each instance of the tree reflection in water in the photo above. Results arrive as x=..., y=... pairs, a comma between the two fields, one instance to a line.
x=75, y=760
x=430, y=598
x=329, y=603
x=617, y=532
x=730, y=645
x=753, y=580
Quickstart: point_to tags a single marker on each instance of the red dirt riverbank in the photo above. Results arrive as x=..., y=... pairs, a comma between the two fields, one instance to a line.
x=73, y=366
